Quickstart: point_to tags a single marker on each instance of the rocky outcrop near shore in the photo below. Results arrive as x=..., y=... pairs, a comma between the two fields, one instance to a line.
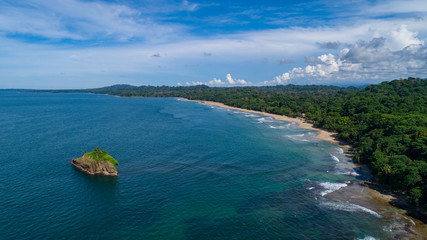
x=95, y=166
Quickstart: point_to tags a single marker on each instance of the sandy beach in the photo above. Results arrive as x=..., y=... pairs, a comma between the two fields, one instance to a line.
x=358, y=193
x=323, y=134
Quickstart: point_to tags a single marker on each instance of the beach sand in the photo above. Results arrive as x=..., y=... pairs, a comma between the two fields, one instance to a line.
x=322, y=134
x=357, y=193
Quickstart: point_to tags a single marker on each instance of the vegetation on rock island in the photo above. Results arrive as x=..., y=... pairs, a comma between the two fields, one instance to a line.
x=100, y=155
x=96, y=162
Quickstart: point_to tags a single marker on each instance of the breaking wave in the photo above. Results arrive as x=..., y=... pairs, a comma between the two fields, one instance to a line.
x=331, y=187
x=250, y=115
x=348, y=207
x=367, y=238
x=281, y=126
x=265, y=119
x=304, y=137
x=348, y=173
x=334, y=158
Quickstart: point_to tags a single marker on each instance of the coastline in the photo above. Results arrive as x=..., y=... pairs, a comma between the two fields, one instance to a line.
x=372, y=197
x=322, y=133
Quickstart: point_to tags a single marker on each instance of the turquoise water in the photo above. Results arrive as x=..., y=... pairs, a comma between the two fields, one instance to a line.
x=187, y=171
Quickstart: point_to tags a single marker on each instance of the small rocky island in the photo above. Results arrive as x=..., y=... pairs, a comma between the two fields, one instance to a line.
x=96, y=162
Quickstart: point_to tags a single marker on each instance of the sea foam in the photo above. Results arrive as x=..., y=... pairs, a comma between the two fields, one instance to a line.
x=264, y=120
x=334, y=158
x=303, y=137
x=280, y=126
x=331, y=187
x=348, y=207
x=348, y=173
x=340, y=150
x=367, y=238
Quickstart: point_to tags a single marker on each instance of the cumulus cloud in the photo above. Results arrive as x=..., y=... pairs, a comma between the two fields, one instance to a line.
x=364, y=61
x=232, y=81
x=216, y=82
x=402, y=37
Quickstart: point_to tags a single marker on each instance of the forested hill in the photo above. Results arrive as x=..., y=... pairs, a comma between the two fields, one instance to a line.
x=386, y=123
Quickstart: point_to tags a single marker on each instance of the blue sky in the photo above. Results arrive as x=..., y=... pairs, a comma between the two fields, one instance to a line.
x=84, y=44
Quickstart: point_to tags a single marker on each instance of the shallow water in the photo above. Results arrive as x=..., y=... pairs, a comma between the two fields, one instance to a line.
x=187, y=171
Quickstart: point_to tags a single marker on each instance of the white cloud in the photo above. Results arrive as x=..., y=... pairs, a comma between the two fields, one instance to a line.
x=216, y=82
x=282, y=79
x=79, y=20
x=232, y=81
x=364, y=62
x=401, y=37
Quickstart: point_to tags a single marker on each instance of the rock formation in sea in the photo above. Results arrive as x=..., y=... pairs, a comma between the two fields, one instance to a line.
x=96, y=162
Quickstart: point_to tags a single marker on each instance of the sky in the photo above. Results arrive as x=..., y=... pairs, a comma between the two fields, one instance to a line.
x=63, y=44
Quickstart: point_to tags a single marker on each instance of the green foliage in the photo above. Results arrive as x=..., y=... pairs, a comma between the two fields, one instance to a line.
x=98, y=155
x=387, y=123
x=415, y=195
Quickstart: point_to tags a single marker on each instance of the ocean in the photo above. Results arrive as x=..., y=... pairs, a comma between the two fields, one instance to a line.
x=187, y=171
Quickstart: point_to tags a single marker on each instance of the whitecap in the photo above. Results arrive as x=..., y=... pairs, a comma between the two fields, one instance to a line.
x=250, y=115
x=310, y=188
x=335, y=158
x=348, y=207
x=347, y=173
x=367, y=238
x=331, y=187
x=279, y=127
x=340, y=150
x=263, y=119
x=300, y=137
x=284, y=126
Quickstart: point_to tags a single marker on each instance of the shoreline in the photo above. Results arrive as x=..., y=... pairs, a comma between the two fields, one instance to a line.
x=376, y=198
x=322, y=133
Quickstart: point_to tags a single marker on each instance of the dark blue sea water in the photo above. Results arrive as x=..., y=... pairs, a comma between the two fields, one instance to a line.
x=187, y=171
